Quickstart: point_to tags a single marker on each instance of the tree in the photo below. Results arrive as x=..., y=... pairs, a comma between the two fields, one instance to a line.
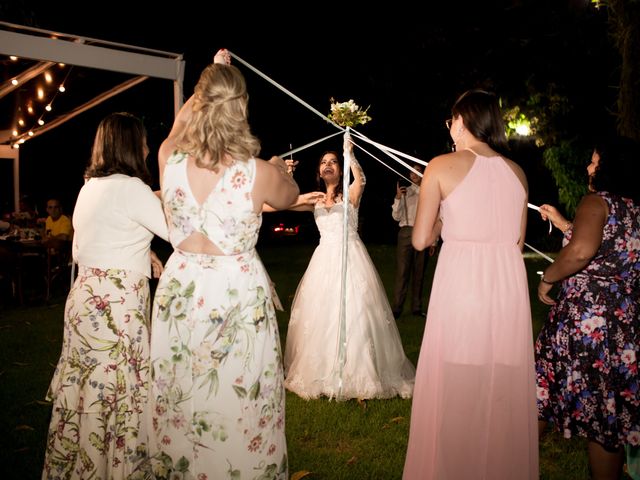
x=624, y=21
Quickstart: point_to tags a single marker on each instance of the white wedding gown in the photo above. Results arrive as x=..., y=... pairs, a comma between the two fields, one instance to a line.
x=375, y=365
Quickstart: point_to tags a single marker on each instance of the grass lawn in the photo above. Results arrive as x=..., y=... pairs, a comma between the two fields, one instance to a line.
x=328, y=439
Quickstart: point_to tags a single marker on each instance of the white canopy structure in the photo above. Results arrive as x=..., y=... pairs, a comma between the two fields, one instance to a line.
x=48, y=48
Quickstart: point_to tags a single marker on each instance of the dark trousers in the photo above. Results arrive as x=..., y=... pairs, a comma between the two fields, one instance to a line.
x=410, y=264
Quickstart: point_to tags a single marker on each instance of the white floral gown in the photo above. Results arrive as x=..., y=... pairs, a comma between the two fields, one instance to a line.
x=216, y=392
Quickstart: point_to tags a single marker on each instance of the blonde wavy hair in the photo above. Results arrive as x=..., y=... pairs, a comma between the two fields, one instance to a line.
x=218, y=123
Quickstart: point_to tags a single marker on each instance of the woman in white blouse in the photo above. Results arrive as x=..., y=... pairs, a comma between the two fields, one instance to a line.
x=99, y=388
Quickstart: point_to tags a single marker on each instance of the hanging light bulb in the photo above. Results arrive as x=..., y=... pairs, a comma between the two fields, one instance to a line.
x=31, y=133
x=47, y=77
x=30, y=109
x=40, y=93
x=40, y=122
x=61, y=64
x=16, y=146
x=14, y=82
x=48, y=108
x=13, y=58
x=14, y=133
x=61, y=88
x=21, y=122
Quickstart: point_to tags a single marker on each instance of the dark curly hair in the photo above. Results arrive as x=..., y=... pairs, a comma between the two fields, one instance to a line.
x=616, y=171
x=119, y=148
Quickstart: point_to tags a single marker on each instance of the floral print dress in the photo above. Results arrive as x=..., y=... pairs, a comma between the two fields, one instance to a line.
x=99, y=389
x=216, y=395
x=587, y=352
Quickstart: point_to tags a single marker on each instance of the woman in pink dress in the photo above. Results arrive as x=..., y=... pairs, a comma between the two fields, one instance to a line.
x=474, y=401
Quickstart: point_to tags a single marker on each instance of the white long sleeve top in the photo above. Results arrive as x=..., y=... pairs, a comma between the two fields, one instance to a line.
x=114, y=219
x=404, y=208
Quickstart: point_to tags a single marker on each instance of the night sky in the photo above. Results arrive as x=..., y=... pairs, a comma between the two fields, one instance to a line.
x=409, y=66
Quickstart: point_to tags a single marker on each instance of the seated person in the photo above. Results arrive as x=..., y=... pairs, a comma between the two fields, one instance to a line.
x=58, y=230
x=57, y=226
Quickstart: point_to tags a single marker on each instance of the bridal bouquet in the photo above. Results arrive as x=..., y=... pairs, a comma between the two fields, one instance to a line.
x=348, y=114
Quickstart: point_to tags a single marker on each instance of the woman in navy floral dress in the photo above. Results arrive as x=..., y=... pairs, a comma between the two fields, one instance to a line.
x=586, y=353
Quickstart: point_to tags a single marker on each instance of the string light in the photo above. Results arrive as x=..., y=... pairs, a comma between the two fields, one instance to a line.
x=41, y=94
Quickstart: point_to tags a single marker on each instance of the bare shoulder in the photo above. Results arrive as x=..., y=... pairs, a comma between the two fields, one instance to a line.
x=594, y=203
x=519, y=172
x=263, y=166
x=442, y=161
x=265, y=171
x=166, y=150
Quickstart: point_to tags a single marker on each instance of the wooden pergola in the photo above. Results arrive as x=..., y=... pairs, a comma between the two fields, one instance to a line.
x=48, y=47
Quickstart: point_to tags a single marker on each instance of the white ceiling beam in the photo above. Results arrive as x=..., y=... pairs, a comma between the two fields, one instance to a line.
x=81, y=54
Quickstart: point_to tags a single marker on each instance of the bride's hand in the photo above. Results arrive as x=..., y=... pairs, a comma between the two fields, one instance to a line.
x=222, y=56
x=348, y=145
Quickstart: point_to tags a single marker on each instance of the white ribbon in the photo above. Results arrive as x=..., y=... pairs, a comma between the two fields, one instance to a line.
x=394, y=154
x=310, y=144
x=388, y=150
x=342, y=333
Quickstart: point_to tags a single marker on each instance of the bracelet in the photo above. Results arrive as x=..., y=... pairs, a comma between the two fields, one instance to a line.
x=542, y=279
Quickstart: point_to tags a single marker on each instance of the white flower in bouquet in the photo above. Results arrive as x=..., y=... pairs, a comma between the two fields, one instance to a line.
x=348, y=114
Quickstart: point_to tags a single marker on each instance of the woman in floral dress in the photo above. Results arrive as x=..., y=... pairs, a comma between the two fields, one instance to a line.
x=217, y=397
x=99, y=389
x=586, y=353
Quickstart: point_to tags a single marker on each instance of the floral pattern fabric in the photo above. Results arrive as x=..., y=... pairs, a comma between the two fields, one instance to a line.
x=587, y=352
x=226, y=217
x=217, y=398
x=99, y=388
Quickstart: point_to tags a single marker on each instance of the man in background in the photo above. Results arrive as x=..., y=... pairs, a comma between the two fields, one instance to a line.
x=411, y=264
x=57, y=226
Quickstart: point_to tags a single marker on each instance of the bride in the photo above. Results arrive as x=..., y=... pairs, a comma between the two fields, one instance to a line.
x=370, y=362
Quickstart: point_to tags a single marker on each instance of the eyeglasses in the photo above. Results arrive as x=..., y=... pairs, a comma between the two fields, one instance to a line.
x=447, y=123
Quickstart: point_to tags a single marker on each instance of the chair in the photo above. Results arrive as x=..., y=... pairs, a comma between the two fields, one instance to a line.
x=58, y=264
x=23, y=267
x=8, y=268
